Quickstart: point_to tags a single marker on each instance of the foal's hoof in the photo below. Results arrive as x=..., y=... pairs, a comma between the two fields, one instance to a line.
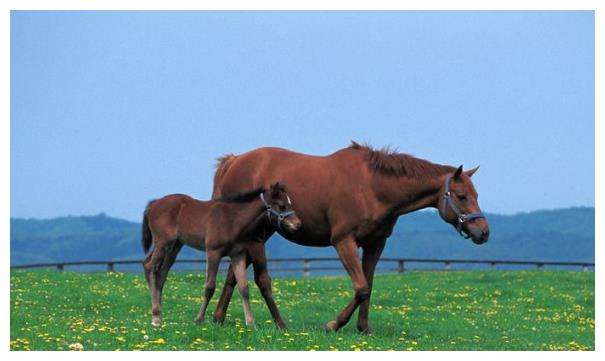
x=199, y=320
x=156, y=321
x=218, y=319
x=365, y=331
x=331, y=326
x=282, y=326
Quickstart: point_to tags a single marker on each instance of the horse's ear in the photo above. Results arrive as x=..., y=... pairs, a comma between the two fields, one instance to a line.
x=458, y=173
x=276, y=188
x=472, y=171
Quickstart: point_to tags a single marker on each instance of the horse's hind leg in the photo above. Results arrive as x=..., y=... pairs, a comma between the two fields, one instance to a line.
x=213, y=259
x=239, y=269
x=256, y=250
x=151, y=266
x=170, y=256
x=347, y=251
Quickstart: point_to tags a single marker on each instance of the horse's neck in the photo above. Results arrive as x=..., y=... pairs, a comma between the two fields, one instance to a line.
x=403, y=195
x=247, y=215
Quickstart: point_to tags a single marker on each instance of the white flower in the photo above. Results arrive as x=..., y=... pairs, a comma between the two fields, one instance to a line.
x=76, y=347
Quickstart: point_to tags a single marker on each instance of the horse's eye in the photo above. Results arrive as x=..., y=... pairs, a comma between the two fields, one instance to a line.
x=462, y=197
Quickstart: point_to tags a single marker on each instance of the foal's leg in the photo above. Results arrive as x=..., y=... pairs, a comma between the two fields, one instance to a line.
x=371, y=255
x=151, y=272
x=256, y=251
x=347, y=251
x=171, y=253
x=213, y=259
x=226, y=293
x=239, y=269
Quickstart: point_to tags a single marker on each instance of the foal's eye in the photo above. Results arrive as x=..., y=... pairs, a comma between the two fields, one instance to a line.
x=462, y=197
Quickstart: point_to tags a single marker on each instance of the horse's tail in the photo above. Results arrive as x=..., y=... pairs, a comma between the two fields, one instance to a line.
x=222, y=165
x=146, y=238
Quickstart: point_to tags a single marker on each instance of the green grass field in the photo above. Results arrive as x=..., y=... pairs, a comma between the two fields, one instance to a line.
x=490, y=310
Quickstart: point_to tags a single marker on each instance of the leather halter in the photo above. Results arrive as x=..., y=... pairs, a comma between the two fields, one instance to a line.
x=461, y=217
x=280, y=215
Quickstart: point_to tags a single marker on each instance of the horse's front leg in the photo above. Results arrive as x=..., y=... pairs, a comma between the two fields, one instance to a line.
x=225, y=298
x=347, y=251
x=371, y=255
x=239, y=269
x=256, y=251
x=230, y=282
x=213, y=259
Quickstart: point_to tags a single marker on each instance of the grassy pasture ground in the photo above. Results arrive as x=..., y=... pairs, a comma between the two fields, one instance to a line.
x=474, y=310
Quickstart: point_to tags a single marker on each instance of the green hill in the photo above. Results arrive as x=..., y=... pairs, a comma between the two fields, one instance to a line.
x=563, y=234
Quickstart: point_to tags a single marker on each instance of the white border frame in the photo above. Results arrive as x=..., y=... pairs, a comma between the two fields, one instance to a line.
x=7, y=5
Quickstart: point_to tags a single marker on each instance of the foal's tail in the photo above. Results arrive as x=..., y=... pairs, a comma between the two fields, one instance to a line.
x=146, y=238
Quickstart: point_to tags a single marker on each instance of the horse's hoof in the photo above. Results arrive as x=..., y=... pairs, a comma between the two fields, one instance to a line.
x=199, y=320
x=282, y=326
x=156, y=322
x=218, y=319
x=331, y=326
x=365, y=331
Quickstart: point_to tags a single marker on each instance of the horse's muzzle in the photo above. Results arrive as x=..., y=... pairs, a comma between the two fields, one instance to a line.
x=292, y=225
x=478, y=234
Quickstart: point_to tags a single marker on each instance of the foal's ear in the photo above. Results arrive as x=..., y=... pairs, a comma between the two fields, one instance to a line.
x=276, y=188
x=470, y=173
x=458, y=173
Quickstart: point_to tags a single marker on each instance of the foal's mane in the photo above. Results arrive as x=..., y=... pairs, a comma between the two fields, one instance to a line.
x=242, y=197
x=389, y=161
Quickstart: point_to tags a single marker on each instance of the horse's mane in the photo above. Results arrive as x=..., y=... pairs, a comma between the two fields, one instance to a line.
x=389, y=161
x=242, y=197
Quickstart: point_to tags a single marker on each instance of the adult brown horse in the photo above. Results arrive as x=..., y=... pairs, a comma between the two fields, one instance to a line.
x=350, y=199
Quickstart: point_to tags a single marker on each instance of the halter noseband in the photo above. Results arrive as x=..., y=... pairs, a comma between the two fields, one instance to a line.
x=460, y=217
x=280, y=215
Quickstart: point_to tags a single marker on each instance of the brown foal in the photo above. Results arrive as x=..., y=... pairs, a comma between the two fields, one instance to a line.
x=351, y=199
x=221, y=227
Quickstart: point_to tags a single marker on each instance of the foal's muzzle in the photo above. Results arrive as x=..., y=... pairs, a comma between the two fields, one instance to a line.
x=292, y=224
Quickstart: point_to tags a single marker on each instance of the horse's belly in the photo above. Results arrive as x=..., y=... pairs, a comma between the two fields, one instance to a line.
x=193, y=241
x=309, y=239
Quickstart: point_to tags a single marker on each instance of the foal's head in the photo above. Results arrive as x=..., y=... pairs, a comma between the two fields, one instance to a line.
x=458, y=206
x=279, y=208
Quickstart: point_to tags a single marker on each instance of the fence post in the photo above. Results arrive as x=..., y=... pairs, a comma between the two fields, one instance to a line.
x=492, y=265
x=60, y=266
x=539, y=265
x=306, y=268
x=447, y=266
x=400, y=267
x=585, y=267
x=109, y=266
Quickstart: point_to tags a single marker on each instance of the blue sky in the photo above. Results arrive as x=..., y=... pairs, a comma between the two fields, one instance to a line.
x=112, y=109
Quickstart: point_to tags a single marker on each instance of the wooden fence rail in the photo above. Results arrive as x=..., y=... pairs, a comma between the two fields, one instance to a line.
x=306, y=264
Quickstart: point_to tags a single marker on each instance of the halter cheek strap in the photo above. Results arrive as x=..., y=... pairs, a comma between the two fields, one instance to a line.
x=280, y=215
x=461, y=217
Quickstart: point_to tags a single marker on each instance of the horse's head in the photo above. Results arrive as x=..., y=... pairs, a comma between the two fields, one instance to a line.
x=458, y=206
x=279, y=208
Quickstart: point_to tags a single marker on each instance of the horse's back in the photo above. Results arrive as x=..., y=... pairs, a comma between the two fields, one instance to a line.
x=176, y=214
x=314, y=183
